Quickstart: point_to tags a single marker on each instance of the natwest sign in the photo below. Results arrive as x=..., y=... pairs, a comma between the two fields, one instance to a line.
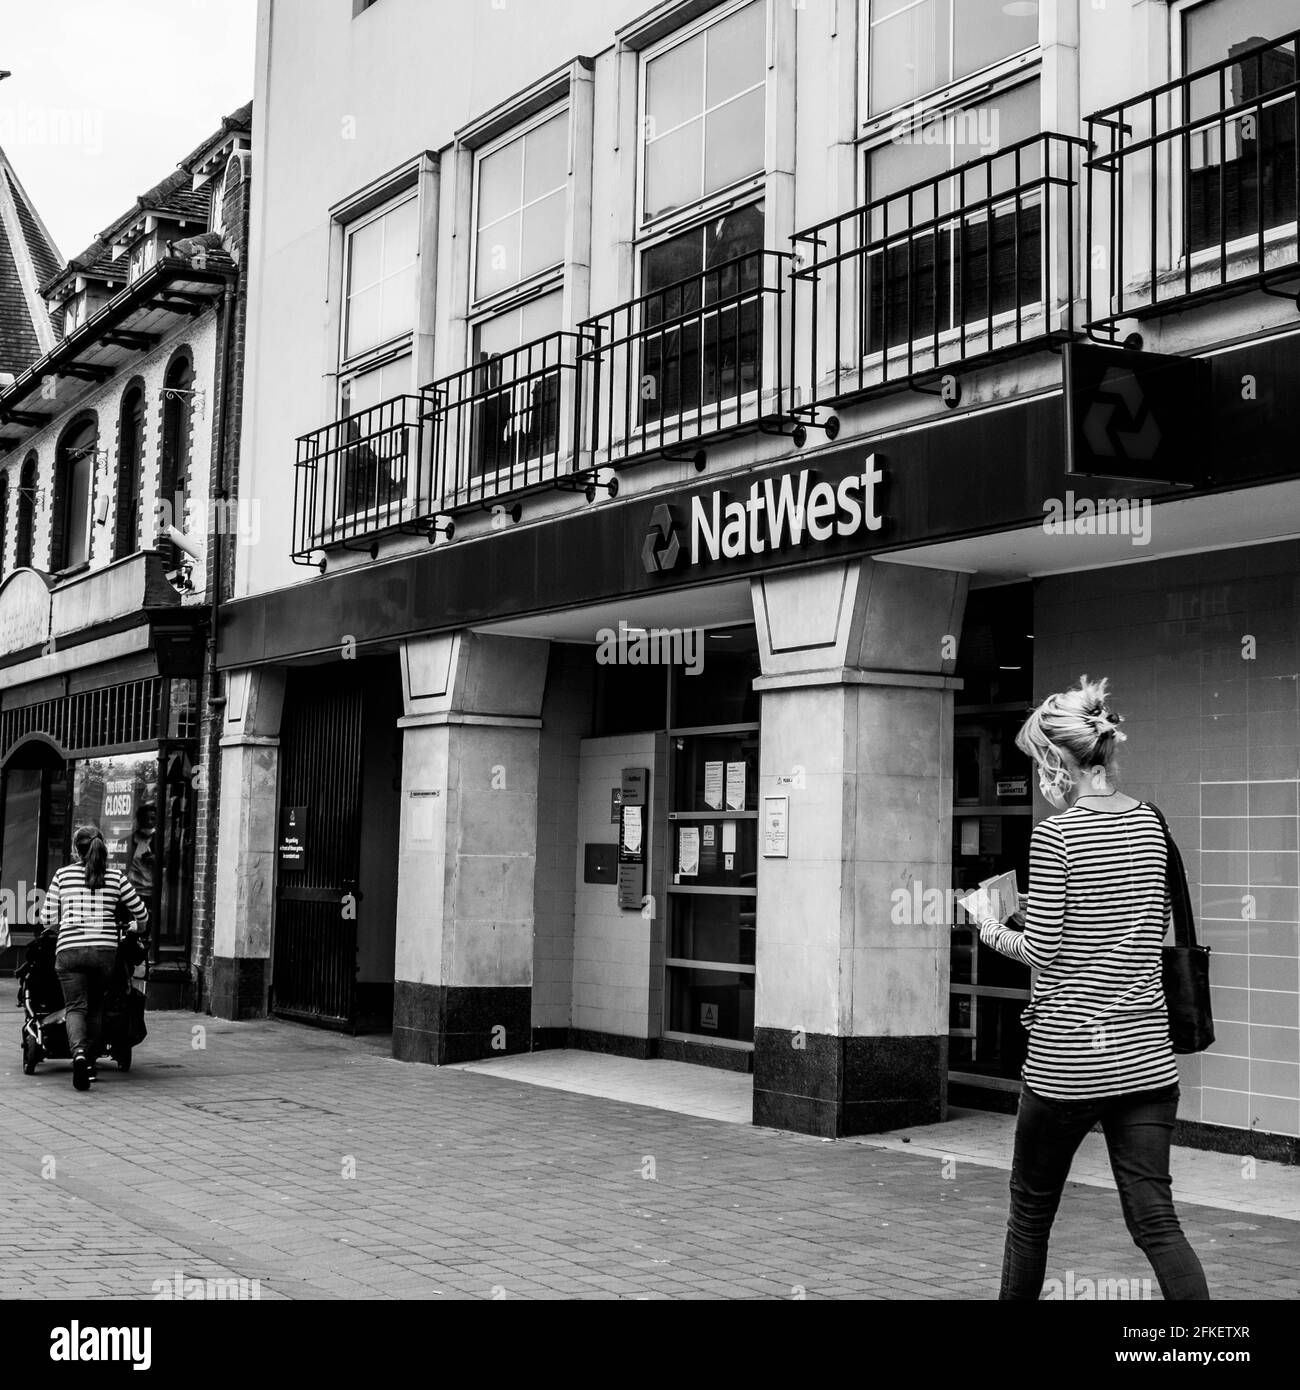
x=785, y=512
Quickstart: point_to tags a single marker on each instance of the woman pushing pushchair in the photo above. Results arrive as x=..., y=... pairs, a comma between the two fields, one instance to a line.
x=85, y=902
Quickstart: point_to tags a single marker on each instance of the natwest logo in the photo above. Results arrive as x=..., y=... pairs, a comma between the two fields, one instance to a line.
x=786, y=511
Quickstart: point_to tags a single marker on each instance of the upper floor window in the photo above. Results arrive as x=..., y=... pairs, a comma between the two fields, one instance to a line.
x=1241, y=173
x=26, y=512
x=379, y=296
x=4, y=519
x=74, y=474
x=919, y=47
x=703, y=127
x=174, y=454
x=74, y=313
x=143, y=256
x=130, y=454
x=520, y=201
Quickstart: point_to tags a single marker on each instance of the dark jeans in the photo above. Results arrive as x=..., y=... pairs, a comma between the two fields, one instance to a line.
x=1138, y=1129
x=85, y=972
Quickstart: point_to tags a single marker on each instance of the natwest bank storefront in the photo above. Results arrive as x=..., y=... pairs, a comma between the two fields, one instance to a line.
x=692, y=774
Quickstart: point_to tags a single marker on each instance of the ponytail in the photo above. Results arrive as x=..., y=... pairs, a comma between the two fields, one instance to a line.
x=90, y=846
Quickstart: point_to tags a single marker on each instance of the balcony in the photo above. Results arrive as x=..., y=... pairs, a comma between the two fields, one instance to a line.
x=1192, y=188
x=362, y=477
x=509, y=424
x=974, y=263
x=689, y=362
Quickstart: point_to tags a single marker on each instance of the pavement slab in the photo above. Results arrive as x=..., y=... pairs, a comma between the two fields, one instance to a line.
x=315, y=1165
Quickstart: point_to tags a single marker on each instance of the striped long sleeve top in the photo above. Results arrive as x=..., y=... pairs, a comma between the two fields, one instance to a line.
x=86, y=918
x=1096, y=919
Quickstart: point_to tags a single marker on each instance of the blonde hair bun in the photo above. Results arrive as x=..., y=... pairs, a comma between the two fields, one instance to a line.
x=1077, y=724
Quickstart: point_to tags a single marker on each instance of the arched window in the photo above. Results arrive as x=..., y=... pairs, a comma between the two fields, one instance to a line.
x=174, y=458
x=130, y=453
x=4, y=520
x=74, y=475
x=26, y=511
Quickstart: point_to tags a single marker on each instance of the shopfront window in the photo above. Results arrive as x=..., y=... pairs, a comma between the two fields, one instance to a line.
x=119, y=795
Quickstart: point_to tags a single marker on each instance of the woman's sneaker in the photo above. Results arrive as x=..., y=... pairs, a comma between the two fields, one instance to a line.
x=81, y=1072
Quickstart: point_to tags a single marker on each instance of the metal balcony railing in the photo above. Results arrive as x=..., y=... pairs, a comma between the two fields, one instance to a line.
x=687, y=362
x=973, y=263
x=362, y=476
x=508, y=423
x=1192, y=188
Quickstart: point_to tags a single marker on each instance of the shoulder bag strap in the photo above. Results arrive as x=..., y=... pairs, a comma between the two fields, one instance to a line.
x=1180, y=895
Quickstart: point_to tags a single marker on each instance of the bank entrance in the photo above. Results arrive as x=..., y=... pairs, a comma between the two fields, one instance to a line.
x=992, y=817
x=337, y=848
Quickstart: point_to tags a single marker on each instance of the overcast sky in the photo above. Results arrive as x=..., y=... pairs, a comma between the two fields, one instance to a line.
x=107, y=96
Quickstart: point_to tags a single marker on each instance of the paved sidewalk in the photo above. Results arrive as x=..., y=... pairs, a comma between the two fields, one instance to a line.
x=316, y=1165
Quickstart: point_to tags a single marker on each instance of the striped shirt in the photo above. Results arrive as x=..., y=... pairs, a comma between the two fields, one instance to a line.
x=86, y=918
x=1096, y=918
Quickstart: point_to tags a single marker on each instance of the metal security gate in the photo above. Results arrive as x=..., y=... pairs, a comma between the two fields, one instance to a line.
x=314, y=973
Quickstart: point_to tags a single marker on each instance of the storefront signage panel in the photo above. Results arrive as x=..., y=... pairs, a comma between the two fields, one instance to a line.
x=977, y=472
x=1140, y=416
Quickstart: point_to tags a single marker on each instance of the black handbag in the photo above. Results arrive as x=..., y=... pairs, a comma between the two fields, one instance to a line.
x=1185, y=967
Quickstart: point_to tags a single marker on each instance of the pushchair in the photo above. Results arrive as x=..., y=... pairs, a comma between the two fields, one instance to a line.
x=40, y=996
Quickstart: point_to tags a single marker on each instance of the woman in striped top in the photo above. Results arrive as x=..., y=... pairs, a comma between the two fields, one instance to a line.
x=1099, y=1050
x=82, y=902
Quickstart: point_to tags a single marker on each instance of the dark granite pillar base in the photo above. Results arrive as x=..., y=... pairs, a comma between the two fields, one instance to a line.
x=833, y=1087
x=239, y=987
x=439, y=1024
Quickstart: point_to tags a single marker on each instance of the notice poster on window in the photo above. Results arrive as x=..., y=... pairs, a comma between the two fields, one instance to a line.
x=735, y=786
x=713, y=785
x=688, y=851
x=632, y=830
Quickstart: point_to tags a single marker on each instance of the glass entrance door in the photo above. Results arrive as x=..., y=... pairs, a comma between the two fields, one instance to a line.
x=712, y=906
x=992, y=818
x=713, y=742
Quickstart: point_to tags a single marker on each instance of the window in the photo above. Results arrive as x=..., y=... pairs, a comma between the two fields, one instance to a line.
x=1241, y=173
x=130, y=453
x=73, y=479
x=26, y=512
x=379, y=303
x=174, y=454
x=379, y=278
x=694, y=356
x=959, y=266
x=704, y=125
x=521, y=196
x=143, y=256
x=4, y=519
x=521, y=420
x=916, y=47
x=74, y=313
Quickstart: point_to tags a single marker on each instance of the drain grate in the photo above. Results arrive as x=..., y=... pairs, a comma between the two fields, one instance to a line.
x=254, y=1108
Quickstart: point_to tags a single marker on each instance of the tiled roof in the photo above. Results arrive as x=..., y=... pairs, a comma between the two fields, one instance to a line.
x=26, y=255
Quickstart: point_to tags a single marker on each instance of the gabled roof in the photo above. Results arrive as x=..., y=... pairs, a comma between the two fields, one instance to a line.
x=174, y=199
x=28, y=257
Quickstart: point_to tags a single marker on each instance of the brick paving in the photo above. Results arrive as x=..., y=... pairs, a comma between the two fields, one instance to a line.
x=232, y=1161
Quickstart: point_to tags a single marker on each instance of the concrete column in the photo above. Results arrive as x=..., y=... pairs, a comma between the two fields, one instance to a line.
x=851, y=1008
x=468, y=852
x=246, y=841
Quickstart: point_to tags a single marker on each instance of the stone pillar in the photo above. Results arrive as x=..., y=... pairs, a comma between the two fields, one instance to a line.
x=468, y=853
x=244, y=904
x=851, y=1008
